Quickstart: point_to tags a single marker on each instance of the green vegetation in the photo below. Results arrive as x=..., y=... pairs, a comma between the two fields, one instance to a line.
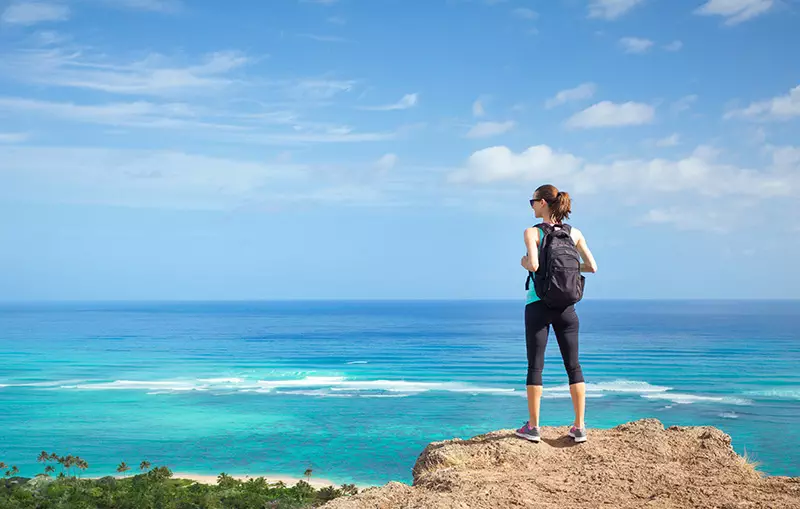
x=153, y=489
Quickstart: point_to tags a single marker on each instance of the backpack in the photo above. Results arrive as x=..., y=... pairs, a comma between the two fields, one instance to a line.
x=558, y=282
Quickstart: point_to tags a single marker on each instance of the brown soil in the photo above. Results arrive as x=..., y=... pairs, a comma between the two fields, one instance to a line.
x=638, y=464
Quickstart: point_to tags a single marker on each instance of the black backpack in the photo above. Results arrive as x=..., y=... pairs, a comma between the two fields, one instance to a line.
x=558, y=282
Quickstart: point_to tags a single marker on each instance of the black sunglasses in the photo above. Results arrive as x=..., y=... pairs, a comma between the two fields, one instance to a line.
x=534, y=200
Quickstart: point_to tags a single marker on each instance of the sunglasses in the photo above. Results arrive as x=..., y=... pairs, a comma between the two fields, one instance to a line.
x=534, y=200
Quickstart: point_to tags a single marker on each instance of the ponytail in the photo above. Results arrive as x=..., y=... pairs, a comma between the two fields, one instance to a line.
x=561, y=206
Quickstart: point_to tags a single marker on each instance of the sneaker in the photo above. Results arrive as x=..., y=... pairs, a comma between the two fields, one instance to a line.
x=579, y=434
x=529, y=433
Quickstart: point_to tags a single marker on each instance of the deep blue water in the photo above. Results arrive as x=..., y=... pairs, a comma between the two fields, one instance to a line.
x=357, y=389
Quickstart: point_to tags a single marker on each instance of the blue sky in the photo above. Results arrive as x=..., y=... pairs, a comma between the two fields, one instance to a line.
x=379, y=149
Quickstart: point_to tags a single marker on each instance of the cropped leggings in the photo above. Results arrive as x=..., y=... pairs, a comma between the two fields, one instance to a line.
x=538, y=319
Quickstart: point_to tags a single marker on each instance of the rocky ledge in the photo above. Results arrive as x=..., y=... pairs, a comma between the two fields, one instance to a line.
x=639, y=464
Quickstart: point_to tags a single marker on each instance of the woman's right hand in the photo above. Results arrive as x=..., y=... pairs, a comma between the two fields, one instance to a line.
x=525, y=264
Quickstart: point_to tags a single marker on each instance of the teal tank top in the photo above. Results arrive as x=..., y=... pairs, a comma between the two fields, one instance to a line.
x=531, y=294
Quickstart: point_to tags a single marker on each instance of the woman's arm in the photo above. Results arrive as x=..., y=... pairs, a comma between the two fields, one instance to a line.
x=531, y=261
x=588, y=265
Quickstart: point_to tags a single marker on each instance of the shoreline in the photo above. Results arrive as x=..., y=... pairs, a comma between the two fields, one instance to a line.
x=270, y=478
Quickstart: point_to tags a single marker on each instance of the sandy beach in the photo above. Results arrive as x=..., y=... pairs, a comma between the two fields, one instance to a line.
x=289, y=481
x=270, y=478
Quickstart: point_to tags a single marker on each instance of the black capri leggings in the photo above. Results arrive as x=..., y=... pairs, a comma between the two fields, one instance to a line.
x=538, y=318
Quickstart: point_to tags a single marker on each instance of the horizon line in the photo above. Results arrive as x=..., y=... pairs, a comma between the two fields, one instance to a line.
x=386, y=300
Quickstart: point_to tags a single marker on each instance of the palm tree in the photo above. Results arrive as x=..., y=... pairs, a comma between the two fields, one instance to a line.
x=69, y=462
x=308, y=473
x=145, y=465
x=43, y=458
x=3, y=465
x=14, y=470
x=82, y=464
x=123, y=467
x=49, y=469
x=60, y=460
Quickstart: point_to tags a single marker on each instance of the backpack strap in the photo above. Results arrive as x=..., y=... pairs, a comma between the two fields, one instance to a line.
x=547, y=227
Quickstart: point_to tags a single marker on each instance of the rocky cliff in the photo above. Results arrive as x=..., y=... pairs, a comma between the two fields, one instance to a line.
x=638, y=464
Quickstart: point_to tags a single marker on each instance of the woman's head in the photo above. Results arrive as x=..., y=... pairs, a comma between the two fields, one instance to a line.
x=549, y=202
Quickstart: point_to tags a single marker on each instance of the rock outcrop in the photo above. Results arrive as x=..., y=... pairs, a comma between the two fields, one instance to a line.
x=639, y=464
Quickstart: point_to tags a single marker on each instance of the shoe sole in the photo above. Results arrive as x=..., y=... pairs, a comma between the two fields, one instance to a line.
x=528, y=438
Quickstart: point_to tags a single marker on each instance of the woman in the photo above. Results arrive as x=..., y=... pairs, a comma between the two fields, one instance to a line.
x=553, y=207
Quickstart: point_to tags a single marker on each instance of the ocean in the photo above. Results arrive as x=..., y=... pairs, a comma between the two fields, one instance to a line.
x=356, y=390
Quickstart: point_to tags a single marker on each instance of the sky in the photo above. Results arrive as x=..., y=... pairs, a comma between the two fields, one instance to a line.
x=387, y=149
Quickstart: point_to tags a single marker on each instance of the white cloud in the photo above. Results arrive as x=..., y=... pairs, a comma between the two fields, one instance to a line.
x=489, y=129
x=477, y=109
x=582, y=91
x=635, y=45
x=783, y=107
x=699, y=173
x=670, y=141
x=315, y=137
x=43, y=38
x=181, y=180
x=678, y=218
x=165, y=6
x=407, y=101
x=609, y=114
x=786, y=158
x=323, y=38
x=387, y=162
x=13, y=137
x=674, y=46
x=337, y=20
x=271, y=128
x=683, y=104
x=31, y=13
x=150, y=76
x=735, y=11
x=319, y=89
x=143, y=178
x=611, y=9
x=133, y=114
x=500, y=163
x=525, y=13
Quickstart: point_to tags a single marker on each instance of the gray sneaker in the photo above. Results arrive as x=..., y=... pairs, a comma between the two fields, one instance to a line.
x=529, y=433
x=579, y=434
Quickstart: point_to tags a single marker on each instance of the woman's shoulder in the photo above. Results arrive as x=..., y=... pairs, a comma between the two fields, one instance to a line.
x=532, y=234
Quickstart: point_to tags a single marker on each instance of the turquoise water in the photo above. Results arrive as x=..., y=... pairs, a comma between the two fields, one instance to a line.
x=356, y=390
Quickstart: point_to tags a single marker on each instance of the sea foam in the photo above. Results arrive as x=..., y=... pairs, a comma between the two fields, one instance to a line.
x=688, y=399
x=786, y=393
x=308, y=386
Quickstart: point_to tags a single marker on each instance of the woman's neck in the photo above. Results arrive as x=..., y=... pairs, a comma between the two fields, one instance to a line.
x=549, y=220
